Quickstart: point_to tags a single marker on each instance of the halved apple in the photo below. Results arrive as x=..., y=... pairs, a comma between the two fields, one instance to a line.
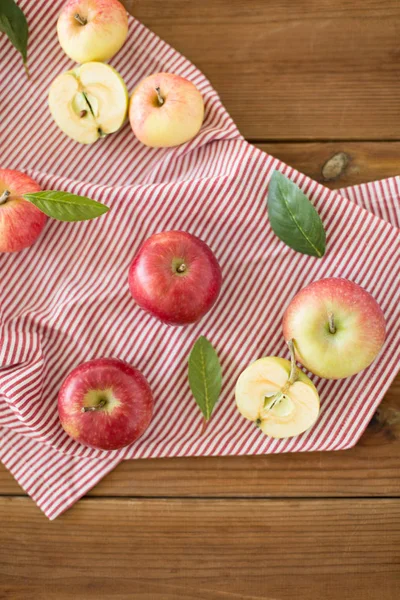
x=89, y=102
x=277, y=396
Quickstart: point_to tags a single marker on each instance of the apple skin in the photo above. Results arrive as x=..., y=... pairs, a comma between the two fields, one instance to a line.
x=176, y=298
x=358, y=320
x=172, y=123
x=103, y=34
x=124, y=418
x=21, y=222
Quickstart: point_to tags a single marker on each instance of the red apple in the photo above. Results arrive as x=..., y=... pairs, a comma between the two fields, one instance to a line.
x=338, y=328
x=21, y=222
x=166, y=110
x=105, y=403
x=175, y=277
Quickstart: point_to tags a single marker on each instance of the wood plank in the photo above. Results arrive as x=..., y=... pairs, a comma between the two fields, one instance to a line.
x=369, y=469
x=364, y=161
x=288, y=71
x=215, y=549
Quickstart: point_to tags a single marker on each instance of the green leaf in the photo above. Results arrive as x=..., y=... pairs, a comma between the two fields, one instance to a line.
x=205, y=375
x=13, y=23
x=66, y=207
x=293, y=218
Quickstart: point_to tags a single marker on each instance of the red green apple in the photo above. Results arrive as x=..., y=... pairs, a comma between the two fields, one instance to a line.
x=338, y=327
x=21, y=222
x=105, y=403
x=277, y=396
x=89, y=102
x=175, y=277
x=91, y=30
x=166, y=110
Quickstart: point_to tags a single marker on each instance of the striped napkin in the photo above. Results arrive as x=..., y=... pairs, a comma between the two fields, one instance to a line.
x=65, y=300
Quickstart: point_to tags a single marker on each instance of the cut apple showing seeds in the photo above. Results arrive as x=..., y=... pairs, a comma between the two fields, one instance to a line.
x=277, y=396
x=89, y=102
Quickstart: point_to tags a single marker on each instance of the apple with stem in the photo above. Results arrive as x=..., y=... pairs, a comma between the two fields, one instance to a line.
x=21, y=222
x=175, y=277
x=338, y=327
x=89, y=102
x=166, y=110
x=277, y=396
x=105, y=403
x=92, y=30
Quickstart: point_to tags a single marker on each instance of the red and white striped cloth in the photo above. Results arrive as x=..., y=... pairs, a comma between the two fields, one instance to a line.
x=65, y=300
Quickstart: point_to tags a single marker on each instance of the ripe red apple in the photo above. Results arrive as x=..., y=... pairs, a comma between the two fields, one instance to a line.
x=21, y=222
x=105, y=403
x=338, y=327
x=92, y=30
x=166, y=110
x=175, y=277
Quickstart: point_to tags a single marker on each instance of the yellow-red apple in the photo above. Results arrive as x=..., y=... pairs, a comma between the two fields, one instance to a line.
x=91, y=30
x=338, y=328
x=166, y=110
x=21, y=222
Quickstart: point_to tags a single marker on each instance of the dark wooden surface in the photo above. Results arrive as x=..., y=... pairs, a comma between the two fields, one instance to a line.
x=305, y=80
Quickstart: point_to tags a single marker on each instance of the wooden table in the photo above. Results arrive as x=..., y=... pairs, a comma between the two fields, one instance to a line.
x=303, y=80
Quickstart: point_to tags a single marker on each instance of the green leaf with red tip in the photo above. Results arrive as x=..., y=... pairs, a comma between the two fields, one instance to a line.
x=13, y=23
x=293, y=218
x=205, y=375
x=66, y=207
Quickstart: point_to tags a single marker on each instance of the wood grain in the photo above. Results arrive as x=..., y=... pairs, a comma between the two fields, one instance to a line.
x=295, y=76
x=304, y=70
x=366, y=161
x=190, y=549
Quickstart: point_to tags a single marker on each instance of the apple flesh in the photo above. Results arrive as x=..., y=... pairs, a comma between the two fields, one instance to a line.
x=338, y=327
x=92, y=30
x=89, y=102
x=277, y=396
x=21, y=222
x=166, y=110
x=175, y=277
x=105, y=403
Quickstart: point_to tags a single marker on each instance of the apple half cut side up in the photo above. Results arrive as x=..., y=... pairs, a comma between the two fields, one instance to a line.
x=89, y=102
x=280, y=399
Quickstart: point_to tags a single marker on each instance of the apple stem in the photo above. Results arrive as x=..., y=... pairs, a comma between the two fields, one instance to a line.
x=159, y=97
x=331, y=321
x=4, y=197
x=98, y=406
x=293, y=367
x=81, y=20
